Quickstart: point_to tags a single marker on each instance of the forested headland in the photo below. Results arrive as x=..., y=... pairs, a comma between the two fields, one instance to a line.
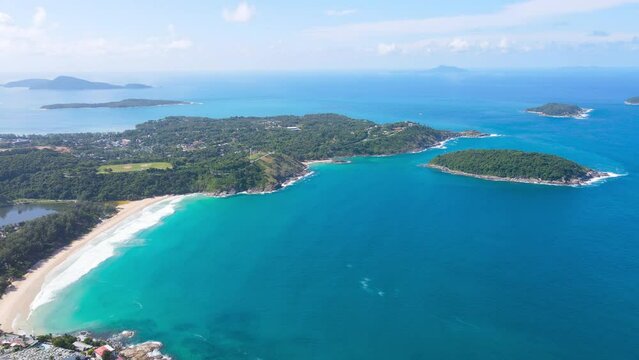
x=514, y=165
x=219, y=156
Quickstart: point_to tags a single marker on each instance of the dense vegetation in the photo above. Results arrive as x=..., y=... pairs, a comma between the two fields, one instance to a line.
x=556, y=109
x=24, y=246
x=633, y=100
x=206, y=155
x=126, y=103
x=513, y=164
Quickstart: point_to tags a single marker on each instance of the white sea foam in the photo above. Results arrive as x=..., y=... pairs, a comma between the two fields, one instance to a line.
x=606, y=176
x=100, y=249
x=442, y=144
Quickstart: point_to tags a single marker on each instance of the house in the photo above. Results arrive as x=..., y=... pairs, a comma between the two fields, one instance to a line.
x=17, y=344
x=103, y=352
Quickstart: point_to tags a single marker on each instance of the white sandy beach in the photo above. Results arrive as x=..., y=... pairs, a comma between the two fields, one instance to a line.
x=15, y=304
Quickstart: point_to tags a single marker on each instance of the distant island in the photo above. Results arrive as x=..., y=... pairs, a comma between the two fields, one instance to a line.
x=127, y=103
x=445, y=69
x=632, y=101
x=558, y=110
x=516, y=166
x=69, y=83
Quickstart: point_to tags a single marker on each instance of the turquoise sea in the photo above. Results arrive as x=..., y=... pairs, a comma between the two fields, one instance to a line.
x=379, y=258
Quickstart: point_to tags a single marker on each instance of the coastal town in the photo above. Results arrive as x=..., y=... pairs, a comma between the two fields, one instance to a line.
x=80, y=346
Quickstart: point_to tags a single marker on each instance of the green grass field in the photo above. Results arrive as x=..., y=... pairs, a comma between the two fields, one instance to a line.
x=120, y=168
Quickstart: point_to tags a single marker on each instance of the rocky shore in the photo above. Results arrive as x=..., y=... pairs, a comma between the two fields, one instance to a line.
x=78, y=346
x=592, y=176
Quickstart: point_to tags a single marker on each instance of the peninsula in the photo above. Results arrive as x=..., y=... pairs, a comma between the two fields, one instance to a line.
x=516, y=166
x=558, y=110
x=126, y=103
x=69, y=83
x=632, y=101
x=181, y=155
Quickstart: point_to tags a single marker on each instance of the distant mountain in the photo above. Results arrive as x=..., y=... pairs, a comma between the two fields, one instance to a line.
x=632, y=101
x=443, y=69
x=127, y=103
x=69, y=83
x=560, y=111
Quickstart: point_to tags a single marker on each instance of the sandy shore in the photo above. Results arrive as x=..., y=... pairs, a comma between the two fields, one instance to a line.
x=311, y=162
x=14, y=305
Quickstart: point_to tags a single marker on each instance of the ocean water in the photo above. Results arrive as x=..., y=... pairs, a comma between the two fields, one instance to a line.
x=380, y=258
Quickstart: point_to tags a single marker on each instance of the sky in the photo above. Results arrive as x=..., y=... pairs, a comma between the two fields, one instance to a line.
x=276, y=35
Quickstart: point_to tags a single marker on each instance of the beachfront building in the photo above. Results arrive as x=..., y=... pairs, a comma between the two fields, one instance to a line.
x=103, y=352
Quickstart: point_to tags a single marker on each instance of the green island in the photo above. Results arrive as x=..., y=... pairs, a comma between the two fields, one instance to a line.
x=515, y=166
x=126, y=103
x=632, y=101
x=175, y=155
x=69, y=83
x=558, y=110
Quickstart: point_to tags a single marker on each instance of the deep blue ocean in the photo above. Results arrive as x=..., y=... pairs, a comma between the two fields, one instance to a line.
x=380, y=258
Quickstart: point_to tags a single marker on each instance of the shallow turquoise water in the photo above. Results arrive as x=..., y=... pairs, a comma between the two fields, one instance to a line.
x=382, y=259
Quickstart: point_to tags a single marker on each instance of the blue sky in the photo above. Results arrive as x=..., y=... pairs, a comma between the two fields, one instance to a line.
x=119, y=35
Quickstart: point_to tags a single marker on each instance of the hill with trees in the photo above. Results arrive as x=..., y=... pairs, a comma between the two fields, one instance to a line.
x=560, y=111
x=514, y=165
x=218, y=156
x=69, y=83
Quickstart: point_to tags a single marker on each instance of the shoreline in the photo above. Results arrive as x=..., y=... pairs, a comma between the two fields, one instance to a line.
x=15, y=305
x=442, y=144
x=602, y=175
x=581, y=116
x=18, y=302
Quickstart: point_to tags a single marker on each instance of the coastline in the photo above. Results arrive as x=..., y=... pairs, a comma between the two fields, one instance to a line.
x=442, y=144
x=600, y=177
x=582, y=116
x=38, y=286
x=15, y=305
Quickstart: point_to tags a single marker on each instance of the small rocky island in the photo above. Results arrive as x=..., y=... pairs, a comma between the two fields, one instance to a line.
x=558, y=110
x=516, y=166
x=126, y=103
x=632, y=101
x=69, y=83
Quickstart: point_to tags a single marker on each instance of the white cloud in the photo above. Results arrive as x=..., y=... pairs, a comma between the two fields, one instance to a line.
x=343, y=12
x=513, y=43
x=5, y=19
x=385, y=49
x=504, y=45
x=242, y=13
x=599, y=33
x=39, y=39
x=181, y=44
x=458, y=45
x=517, y=14
x=39, y=17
